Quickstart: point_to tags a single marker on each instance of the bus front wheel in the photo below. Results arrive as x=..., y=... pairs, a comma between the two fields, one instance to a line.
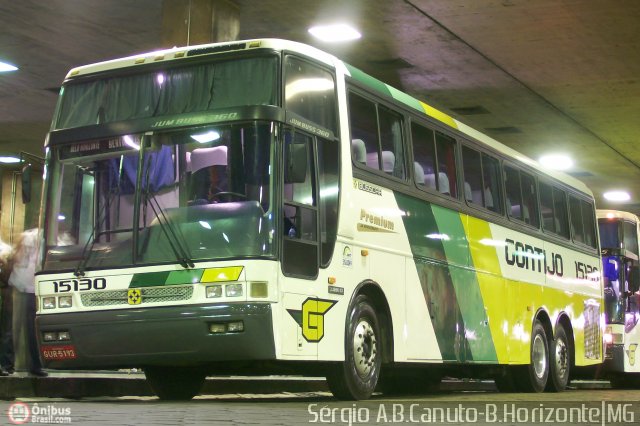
x=175, y=383
x=357, y=376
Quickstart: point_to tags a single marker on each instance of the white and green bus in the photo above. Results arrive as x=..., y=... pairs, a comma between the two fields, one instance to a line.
x=261, y=207
x=620, y=272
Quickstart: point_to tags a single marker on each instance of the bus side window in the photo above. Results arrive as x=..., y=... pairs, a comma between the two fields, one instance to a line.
x=391, y=142
x=582, y=221
x=446, y=161
x=379, y=131
x=424, y=156
x=364, y=131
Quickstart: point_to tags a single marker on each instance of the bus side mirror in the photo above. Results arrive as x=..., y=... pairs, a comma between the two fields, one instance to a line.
x=26, y=184
x=295, y=163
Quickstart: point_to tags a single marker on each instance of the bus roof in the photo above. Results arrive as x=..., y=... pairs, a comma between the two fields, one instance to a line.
x=372, y=83
x=616, y=214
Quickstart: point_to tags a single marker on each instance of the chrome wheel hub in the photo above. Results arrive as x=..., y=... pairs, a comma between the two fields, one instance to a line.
x=539, y=356
x=562, y=357
x=364, y=348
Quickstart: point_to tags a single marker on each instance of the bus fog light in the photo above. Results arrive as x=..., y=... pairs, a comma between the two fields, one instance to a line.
x=259, y=289
x=217, y=328
x=48, y=302
x=233, y=290
x=50, y=336
x=65, y=302
x=235, y=327
x=64, y=335
x=214, y=291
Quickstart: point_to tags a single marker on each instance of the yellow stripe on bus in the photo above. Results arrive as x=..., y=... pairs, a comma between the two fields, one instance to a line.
x=216, y=275
x=439, y=115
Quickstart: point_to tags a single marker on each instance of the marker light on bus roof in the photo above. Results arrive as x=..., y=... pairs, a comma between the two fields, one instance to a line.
x=335, y=32
x=556, y=161
x=616, y=196
x=209, y=136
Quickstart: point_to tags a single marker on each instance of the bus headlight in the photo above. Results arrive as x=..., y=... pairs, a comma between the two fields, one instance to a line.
x=65, y=302
x=50, y=336
x=214, y=291
x=233, y=290
x=48, y=303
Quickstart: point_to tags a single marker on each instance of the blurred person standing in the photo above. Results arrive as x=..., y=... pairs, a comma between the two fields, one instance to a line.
x=22, y=278
x=6, y=312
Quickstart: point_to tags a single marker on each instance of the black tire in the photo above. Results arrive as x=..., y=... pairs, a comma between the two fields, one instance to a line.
x=357, y=376
x=175, y=383
x=559, y=361
x=533, y=377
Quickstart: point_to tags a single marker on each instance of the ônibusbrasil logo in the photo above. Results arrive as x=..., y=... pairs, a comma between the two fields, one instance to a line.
x=20, y=413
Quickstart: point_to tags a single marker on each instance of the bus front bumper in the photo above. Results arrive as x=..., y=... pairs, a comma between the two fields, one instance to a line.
x=158, y=336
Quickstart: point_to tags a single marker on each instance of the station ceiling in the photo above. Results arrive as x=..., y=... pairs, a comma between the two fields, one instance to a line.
x=539, y=76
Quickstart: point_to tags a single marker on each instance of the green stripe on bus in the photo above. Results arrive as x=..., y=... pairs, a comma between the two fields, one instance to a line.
x=406, y=99
x=184, y=277
x=466, y=285
x=149, y=279
x=367, y=80
x=435, y=277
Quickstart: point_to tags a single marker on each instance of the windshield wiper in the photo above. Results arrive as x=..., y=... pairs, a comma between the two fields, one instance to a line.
x=87, y=250
x=181, y=253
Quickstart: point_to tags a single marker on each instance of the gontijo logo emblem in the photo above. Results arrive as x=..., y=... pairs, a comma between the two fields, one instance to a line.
x=134, y=296
x=311, y=318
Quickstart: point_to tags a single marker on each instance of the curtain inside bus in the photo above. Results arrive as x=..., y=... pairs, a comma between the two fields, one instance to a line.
x=203, y=87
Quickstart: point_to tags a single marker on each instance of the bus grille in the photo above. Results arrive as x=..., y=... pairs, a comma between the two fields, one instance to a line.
x=149, y=295
x=592, y=337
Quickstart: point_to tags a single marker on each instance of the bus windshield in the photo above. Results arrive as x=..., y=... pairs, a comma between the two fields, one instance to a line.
x=196, y=194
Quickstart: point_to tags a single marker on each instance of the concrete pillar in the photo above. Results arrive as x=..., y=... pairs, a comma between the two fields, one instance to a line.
x=12, y=211
x=191, y=22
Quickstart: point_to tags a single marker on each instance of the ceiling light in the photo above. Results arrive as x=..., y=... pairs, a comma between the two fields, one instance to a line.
x=209, y=136
x=556, y=161
x=617, y=196
x=9, y=159
x=5, y=67
x=335, y=32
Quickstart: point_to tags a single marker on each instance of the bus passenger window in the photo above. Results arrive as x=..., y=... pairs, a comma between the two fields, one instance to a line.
x=391, y=142
x=364, y=128
x=522, y=198
x=424, y=156
x=582, y=221
x=379, y=131
x=446, y=160
x=553, y=210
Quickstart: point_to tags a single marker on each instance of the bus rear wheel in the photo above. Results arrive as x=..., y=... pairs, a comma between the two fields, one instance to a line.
x=357, y=376
x=559, y=361
x=175, y=383
x=537, y=372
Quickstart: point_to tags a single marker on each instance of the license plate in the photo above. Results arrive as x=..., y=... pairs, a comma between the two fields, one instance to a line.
x=58, y=352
